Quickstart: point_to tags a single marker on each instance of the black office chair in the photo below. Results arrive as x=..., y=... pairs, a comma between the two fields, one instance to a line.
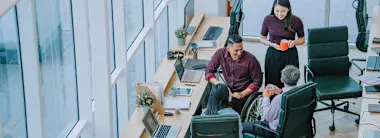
x=362, y=22
x=328, y=66
x=296, y=115
x=215, y=126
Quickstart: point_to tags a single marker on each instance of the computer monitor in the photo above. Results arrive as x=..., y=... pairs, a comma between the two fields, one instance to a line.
x=236, y=17
x=189, y=14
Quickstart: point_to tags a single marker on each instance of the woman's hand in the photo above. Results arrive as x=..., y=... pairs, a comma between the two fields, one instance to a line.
x=275, y=46
x=291, y=43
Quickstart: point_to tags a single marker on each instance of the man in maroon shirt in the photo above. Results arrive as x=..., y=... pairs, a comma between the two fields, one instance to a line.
x=241, y=71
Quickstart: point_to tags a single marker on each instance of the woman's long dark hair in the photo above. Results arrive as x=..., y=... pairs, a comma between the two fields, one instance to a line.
x=289, y=16
x=217, y=100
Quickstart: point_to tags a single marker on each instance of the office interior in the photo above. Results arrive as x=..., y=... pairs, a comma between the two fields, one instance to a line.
x=72, y=68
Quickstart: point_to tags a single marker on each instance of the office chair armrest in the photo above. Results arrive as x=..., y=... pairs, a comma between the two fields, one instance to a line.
x=357, y=66
x=267, y=129
x=308, y=71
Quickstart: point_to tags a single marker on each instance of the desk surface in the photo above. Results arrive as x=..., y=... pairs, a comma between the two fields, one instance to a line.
x=373, y=118
x=166, y=76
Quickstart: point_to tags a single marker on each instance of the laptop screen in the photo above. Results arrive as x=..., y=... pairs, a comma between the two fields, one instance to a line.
x=150, y=122
x=179, y=68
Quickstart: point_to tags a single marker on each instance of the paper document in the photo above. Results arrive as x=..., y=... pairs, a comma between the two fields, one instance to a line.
x=370, y=79
x=177, y=102
x=206, y=44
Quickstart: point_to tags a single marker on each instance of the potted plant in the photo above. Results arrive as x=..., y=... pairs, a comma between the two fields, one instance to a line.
x=145, y=100
x=181, y=35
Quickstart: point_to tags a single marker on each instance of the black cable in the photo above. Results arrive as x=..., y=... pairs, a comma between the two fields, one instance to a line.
x=367, y=123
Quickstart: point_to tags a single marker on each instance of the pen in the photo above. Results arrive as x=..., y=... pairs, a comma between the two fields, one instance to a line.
x=189, y=85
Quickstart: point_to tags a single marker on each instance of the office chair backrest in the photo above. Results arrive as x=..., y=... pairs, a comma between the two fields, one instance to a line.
x=215, y=126
x=362, y=22
x=327, y=50
x=297, y=109
x=361, y=16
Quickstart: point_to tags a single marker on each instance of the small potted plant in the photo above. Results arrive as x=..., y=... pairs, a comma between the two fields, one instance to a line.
x=145, y=100
x=181, y=35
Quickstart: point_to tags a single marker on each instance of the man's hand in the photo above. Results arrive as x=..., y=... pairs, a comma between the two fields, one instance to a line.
x=276, y=90
x=237, y=95
x=267, y=92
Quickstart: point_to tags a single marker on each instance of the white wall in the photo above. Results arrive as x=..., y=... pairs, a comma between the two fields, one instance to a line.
x=212, y=7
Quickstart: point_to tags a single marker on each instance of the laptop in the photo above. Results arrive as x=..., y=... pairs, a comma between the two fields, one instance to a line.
x=370, y=133
x=374, y=108
x=373, y=63
x=186, y=75
x=159, y=131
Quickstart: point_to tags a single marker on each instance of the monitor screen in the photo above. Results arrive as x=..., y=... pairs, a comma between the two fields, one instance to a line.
x=150, y=122
x=236, y=16
x=179, y=68
x=189, y=12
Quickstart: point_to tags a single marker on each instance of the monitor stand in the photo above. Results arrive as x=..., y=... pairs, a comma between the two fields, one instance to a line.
x=190, y=30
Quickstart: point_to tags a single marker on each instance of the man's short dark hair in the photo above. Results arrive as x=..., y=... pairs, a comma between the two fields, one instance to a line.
x=233, y=39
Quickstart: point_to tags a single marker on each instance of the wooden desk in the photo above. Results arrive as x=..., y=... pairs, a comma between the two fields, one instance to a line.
x=373, y=118
x=166, y=76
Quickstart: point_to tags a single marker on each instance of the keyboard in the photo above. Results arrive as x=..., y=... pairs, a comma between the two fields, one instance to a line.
x=373, y=63
x=163, y=131
x=213, y=33
x=189, y=75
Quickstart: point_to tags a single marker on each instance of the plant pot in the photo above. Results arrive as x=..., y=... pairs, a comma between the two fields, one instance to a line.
x=144, y=109
x=181, y=41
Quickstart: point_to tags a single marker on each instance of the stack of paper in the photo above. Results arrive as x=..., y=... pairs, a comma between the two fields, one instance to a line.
x=177, y=102
x=370, y=79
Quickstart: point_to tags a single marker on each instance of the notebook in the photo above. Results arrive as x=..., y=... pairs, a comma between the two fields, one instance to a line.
x=371, y=79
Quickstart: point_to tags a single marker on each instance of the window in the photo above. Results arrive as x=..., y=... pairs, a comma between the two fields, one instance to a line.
x=161, y=37
x=134, y=19
x=114, y=112
x=57, y=65
x=156, y=3
x=311, y=16
x=135, y=74
x=112, y=44
x=255, y=11
x=12, y=106
x=343, y=13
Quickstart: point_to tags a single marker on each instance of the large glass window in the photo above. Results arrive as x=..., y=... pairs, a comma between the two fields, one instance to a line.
x=57, y=63
x=12, y=106
x=311, y=16
x=156, y=3
x=343, y=13
x=134, y=19
x=112, y=44
x=161, y=37
x=135, y=74
x=255, y=11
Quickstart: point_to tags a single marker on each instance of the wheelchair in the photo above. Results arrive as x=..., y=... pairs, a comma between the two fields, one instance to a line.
x=253, y=107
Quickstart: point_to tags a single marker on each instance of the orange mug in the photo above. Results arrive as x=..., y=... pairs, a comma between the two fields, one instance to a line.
x=284, y=45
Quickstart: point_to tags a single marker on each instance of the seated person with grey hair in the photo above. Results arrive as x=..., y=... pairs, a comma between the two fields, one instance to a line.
x=289, y=76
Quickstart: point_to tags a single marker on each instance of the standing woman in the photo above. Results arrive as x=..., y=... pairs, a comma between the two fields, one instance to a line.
x=281, y=24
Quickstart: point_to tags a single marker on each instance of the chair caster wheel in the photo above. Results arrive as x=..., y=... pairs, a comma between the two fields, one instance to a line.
x=357, y=121
x=332, y=128
x=346, y=107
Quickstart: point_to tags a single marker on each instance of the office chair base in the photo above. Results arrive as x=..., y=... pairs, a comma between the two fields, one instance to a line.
x=334, y=107
x=332, y=128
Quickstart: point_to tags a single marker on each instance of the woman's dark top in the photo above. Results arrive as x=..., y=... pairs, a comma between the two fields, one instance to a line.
x=277, y=31
x=276, y=60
